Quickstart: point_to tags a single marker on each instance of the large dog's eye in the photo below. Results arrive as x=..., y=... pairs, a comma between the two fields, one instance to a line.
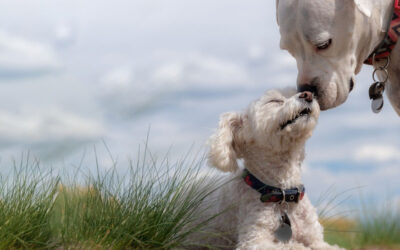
x=324, y=45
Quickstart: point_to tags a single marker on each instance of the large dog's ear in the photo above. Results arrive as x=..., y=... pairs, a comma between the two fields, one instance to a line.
x=364, y=6
x=224, y=143
x=277, y=15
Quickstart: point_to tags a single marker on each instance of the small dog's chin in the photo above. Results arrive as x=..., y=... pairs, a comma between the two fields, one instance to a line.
x=302, y=126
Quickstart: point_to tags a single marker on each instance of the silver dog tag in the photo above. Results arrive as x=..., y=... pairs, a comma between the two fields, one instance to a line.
x=377, y=105
x=284, y=231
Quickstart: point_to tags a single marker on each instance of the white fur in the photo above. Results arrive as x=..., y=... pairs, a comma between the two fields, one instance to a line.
x=274, y=156
x=356, y=27
x=365, y=6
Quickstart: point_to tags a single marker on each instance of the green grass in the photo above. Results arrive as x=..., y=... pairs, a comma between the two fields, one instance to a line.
x=153, y=205
x=373, y=225
x=27, y=196
x=376, y=230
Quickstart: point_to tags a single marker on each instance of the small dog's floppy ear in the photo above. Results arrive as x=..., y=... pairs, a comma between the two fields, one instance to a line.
x=364, y=6
x=224, y=145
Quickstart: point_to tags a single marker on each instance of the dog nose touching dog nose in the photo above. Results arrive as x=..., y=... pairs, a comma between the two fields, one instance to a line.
x=307, y=96
x=307, y=87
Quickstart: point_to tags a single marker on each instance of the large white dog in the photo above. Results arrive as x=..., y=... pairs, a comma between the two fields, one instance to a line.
x=331, y=39
x=270, y=138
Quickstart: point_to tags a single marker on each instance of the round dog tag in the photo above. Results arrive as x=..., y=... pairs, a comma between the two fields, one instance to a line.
x=377, y=105
x=284, y=232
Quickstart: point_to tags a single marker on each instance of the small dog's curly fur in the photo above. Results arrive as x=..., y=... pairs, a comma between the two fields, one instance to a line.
x=270, y=138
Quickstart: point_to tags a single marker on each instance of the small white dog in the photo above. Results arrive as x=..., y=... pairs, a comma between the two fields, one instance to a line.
x=270, y=138
x=331, y=40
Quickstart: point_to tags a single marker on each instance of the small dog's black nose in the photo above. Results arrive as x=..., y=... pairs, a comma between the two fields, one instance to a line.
x=307, y=96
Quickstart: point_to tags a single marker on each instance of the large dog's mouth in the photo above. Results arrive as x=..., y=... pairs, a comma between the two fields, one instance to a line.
x=304, y=112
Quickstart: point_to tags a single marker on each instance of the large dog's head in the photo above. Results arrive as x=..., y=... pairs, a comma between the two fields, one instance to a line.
x=330, y=39
x=280, y=121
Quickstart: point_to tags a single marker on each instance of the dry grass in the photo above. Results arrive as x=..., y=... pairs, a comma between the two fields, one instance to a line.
x=356, y=234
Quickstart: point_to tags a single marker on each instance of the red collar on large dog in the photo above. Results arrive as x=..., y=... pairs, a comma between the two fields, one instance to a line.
x=386, y=46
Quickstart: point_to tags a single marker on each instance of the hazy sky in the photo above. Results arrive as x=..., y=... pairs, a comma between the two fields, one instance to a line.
x=73, y=73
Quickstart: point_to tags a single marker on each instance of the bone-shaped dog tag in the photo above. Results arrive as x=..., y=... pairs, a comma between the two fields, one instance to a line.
x=376, y=90
x=284, y=231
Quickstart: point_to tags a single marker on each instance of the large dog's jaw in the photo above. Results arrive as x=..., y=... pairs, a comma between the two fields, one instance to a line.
x=330, y=41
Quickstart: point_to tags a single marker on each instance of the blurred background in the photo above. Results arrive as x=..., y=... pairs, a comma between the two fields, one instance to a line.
x=75, y=74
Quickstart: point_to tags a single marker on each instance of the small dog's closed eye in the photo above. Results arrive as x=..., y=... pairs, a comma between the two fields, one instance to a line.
x=270, y=209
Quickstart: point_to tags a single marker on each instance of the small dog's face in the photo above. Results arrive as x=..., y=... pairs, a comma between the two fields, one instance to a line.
x=277, y=121
x=328, y=40
x=281, y=116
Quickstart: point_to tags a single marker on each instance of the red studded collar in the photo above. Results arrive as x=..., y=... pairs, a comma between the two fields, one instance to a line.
x=384, y=49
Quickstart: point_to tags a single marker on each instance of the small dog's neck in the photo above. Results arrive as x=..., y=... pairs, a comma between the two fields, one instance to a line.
x=276, y=169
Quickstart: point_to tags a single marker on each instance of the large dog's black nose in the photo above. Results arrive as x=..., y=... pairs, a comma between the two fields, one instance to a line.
x=307, y=96
x=307, y=87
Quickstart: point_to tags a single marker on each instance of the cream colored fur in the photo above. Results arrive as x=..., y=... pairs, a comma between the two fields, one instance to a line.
x=274, y=156
x=356, y=28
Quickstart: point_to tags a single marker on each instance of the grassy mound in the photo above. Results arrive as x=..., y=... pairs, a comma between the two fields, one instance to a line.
x=153, y=205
